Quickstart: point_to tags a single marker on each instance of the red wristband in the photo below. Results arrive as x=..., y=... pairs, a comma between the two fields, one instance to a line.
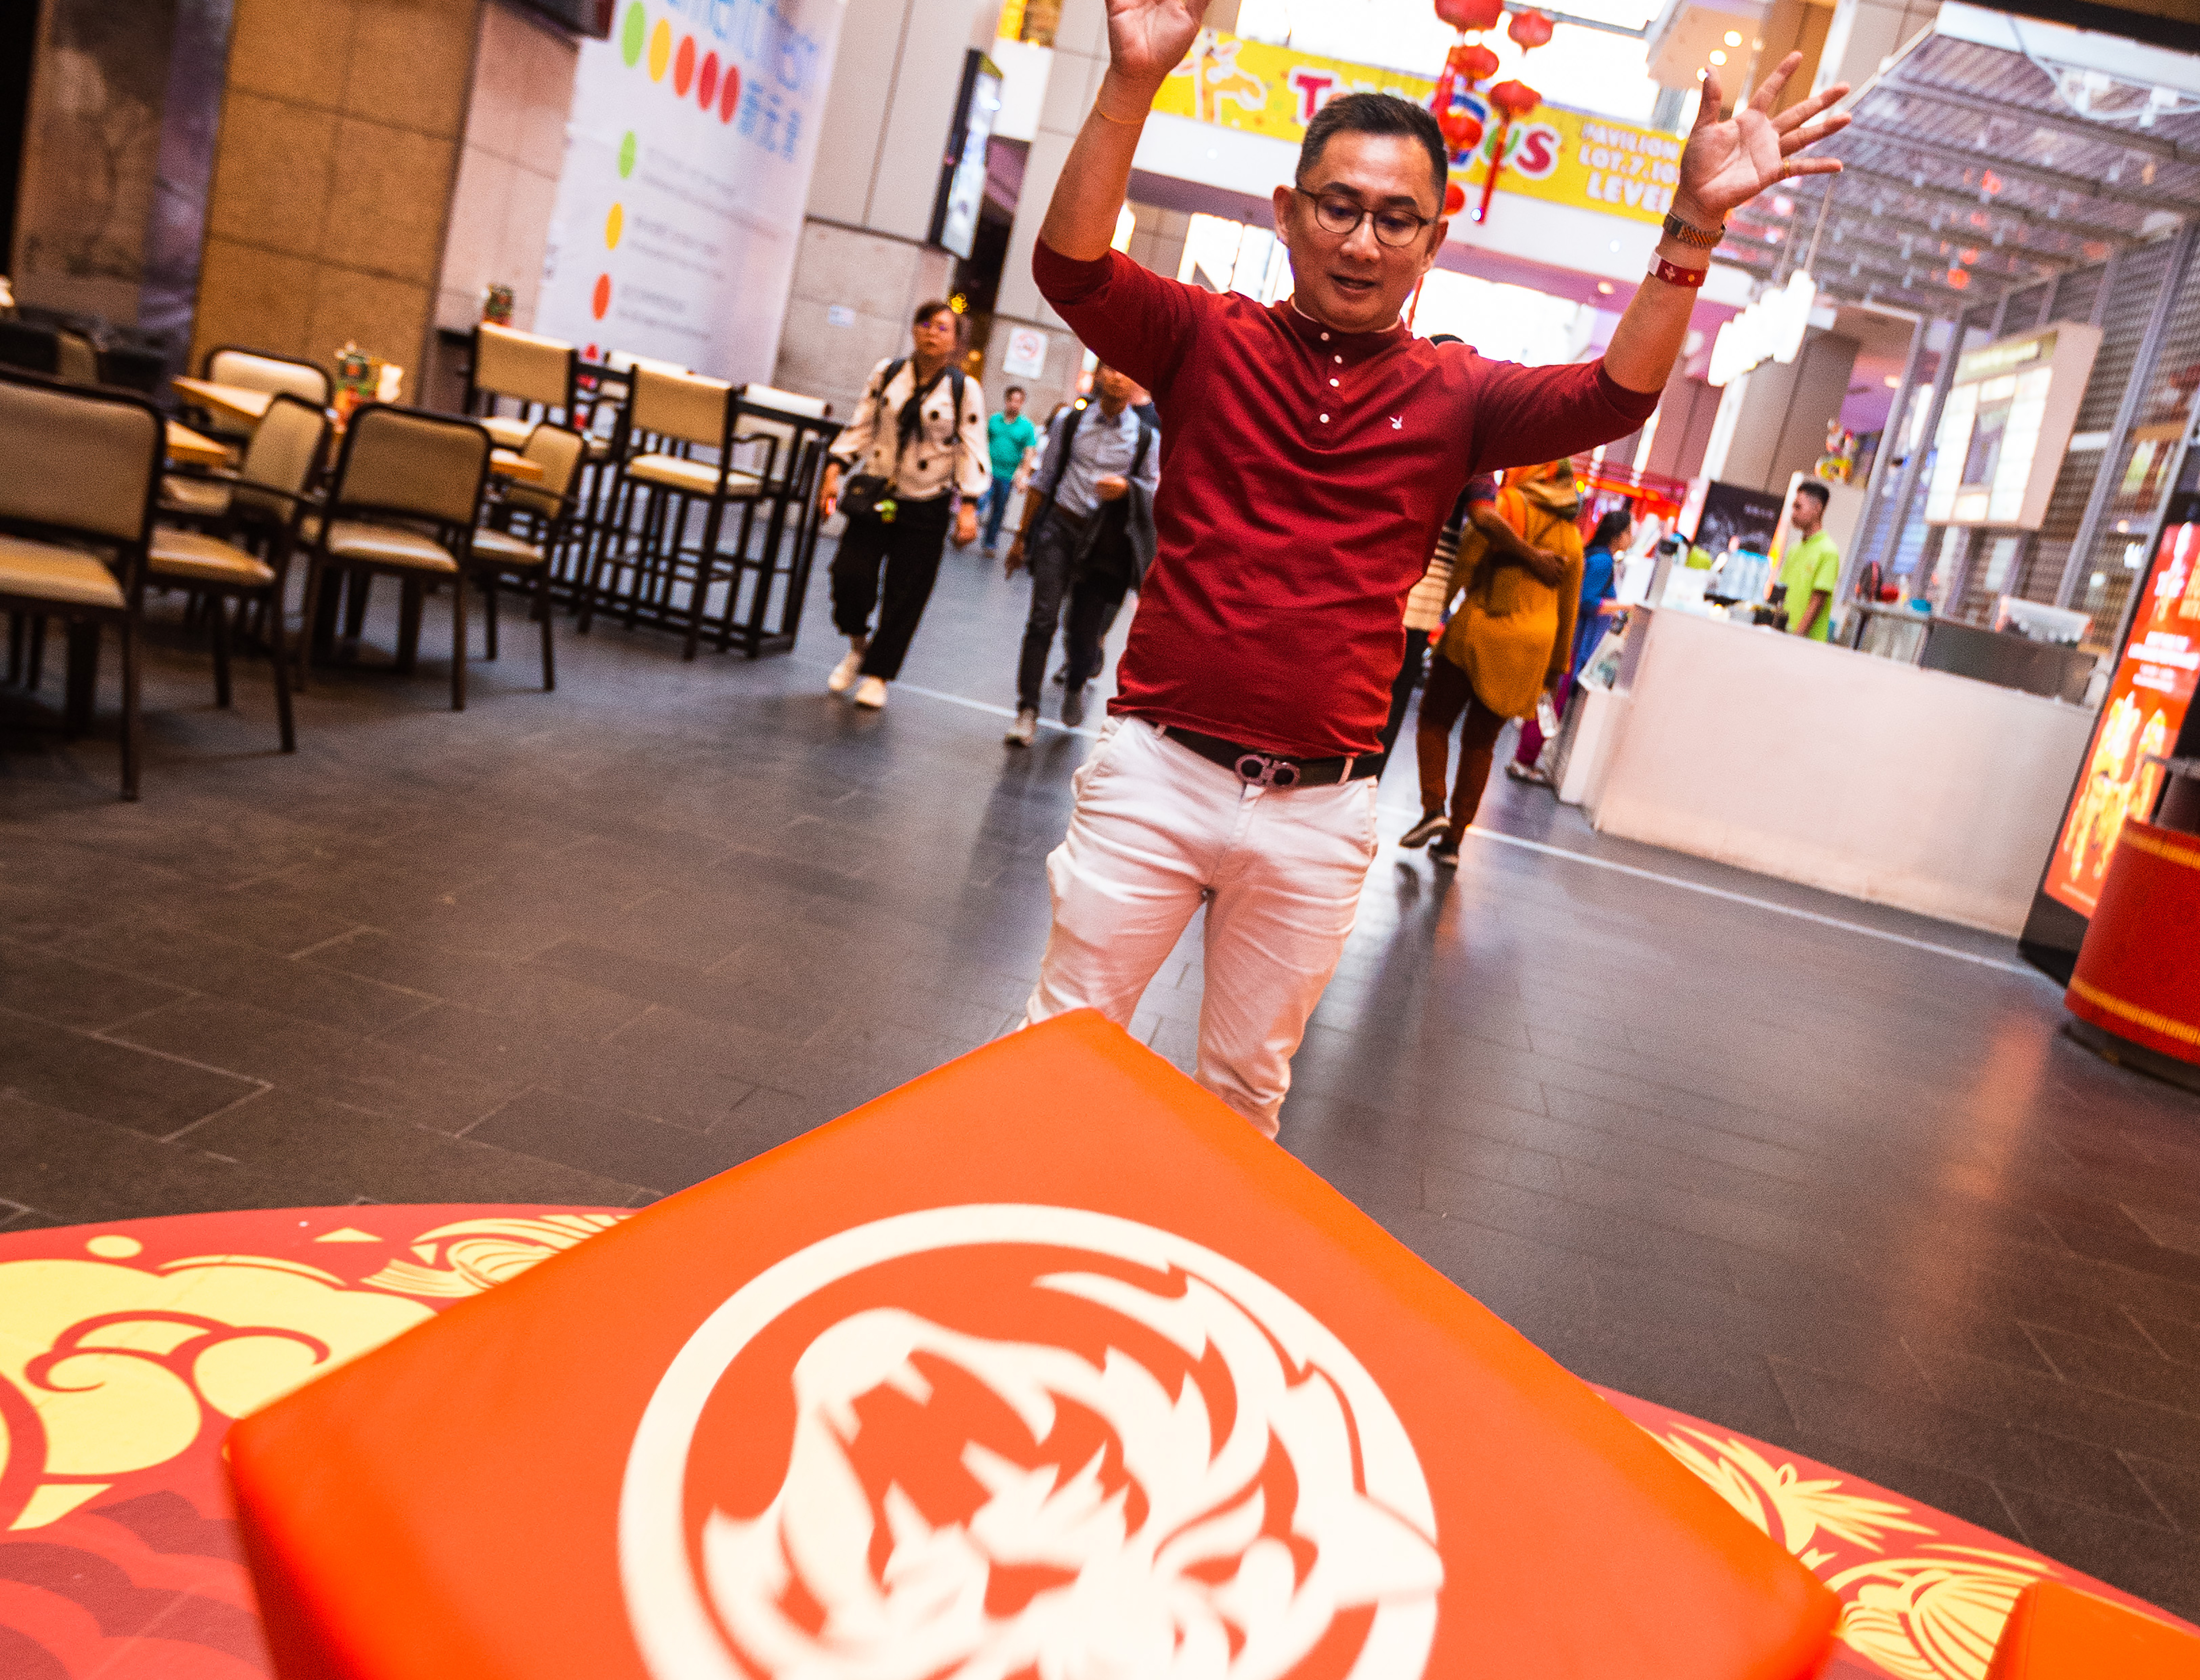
x=1674, y=275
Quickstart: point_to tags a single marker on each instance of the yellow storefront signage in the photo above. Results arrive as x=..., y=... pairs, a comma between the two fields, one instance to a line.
x=1563, y=157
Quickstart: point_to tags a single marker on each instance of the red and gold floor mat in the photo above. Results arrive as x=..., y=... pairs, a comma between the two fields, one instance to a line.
x=127, y=1350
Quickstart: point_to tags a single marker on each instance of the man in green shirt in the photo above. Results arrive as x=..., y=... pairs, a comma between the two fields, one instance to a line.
x=1010, y=436
x=1812, y=566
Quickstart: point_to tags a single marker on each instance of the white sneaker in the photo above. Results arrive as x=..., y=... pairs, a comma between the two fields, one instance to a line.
x=1024, y=730
x=843, y=674
x=871, y=693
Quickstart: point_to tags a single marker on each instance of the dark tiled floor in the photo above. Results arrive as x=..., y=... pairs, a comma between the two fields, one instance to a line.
x=1853, y=1195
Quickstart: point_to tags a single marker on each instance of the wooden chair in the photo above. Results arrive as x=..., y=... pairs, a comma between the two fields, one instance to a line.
x=78, y=471
x=264, y=507
x=669, y=418
x=404, y=502
x=542, y=510
x=256, y=370
x=538, y=373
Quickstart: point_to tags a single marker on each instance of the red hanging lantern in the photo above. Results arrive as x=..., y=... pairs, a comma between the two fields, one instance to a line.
x=1471, y=13
x=1454, y=198
x=1462, y=130
x=1515, y=98
x=1472, y=61
x=1529, y=29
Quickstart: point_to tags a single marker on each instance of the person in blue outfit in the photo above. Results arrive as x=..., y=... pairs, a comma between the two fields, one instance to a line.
x=1600, y=566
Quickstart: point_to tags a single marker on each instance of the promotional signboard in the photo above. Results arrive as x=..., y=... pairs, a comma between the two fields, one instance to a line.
x=2147, y=701
x=688, y=162
x=1561, y=156
x=2006, y=426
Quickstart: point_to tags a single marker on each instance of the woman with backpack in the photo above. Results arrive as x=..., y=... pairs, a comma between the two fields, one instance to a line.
x=912, y=462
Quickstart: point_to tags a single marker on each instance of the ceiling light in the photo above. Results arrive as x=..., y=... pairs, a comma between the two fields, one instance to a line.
x=1734, y=37
x=1604, y=288
x=1718, y=58
x=1893, y=382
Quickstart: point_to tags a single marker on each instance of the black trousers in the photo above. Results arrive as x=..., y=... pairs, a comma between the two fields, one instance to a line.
x=1402, y=686
x=908, y=550
x=1092, y=609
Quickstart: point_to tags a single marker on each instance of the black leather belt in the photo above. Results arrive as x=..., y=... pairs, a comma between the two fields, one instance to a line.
x=1267, y=769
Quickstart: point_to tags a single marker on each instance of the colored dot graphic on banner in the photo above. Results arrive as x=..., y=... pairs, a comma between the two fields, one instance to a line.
x=601, y=301
x=632, y=33
x=627, y=146
x=614, y=225
x=660, y=50
x=707, y=81
x=683, y=67
x=730, y=95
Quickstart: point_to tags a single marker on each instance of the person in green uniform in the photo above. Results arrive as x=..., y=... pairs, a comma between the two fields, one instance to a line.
x=1812, y=566
x=1010, y=438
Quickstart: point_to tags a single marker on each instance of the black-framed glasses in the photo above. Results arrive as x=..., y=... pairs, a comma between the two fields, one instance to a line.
x=1334, y=213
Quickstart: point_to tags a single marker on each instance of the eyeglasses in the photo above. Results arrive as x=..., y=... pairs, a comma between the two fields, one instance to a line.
x=1333, y=213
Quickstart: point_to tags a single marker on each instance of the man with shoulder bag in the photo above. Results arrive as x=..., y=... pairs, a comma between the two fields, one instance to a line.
x=1087, y=537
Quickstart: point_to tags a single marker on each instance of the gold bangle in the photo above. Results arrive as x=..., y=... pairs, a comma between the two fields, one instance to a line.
x=1120, y=122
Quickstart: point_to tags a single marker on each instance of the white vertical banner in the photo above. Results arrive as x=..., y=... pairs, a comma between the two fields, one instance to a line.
x=687, y=161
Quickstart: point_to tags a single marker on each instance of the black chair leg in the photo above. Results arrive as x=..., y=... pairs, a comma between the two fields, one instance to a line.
x=216, y=606
x=37, y=675
x=458, y=643
x=130, y=735
x=272, y=618
x=543, y=603
x=488, y=611
x=355, y=597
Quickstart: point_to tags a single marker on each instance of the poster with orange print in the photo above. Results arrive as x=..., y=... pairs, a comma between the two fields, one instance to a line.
x=2147, y=700
x=1561, y=156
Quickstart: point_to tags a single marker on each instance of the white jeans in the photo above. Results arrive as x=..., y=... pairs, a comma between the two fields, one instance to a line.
x=1157, y=832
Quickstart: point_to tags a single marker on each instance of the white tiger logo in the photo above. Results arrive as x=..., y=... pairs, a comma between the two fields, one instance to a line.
x=990, y=1507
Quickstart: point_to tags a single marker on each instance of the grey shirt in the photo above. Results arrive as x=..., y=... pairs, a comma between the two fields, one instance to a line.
x=1100, y=450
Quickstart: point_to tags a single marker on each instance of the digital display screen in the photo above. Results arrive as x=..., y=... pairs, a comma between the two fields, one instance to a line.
x=2004, y=427
x=962, y=193
x=2147, y=699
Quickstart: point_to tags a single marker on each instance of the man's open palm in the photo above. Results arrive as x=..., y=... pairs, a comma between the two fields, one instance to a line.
x=1730, y=163
x=1148, y=39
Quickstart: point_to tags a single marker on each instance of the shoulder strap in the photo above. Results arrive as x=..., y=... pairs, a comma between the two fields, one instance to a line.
x=1071, y=421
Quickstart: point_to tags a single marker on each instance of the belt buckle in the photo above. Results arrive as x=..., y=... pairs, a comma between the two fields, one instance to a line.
x=1264, y=771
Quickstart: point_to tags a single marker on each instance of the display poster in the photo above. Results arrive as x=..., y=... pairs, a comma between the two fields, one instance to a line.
x=2147, y=700
x=2006, y=426
x=687, y=161
x=1564, y=157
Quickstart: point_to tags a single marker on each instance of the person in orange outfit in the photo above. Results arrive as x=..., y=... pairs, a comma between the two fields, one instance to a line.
x=1507, y=645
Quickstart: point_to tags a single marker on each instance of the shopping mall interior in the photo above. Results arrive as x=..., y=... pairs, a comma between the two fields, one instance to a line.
x=1736, y=1208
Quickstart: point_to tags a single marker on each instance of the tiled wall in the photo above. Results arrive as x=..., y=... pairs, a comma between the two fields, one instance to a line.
x=508, y=162
x=340, y=141
x=850, y=307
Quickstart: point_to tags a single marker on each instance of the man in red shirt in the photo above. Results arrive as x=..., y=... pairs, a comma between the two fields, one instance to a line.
x=1310, y=451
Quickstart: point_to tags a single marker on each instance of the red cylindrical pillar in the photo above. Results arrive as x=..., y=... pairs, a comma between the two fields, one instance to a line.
x=2136, y=975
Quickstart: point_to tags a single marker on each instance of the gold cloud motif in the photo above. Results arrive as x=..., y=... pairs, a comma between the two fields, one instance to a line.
x=1934, y=1617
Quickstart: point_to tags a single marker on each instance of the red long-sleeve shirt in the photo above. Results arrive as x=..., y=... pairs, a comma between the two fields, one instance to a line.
x=1305, y=474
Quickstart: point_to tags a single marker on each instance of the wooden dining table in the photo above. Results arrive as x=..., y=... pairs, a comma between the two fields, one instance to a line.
x=243, y=404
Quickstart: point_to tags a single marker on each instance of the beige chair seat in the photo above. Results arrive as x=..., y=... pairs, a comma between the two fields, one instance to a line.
x=388, y=545
x=600, y=448
x=696, y=478
x=509, y=433
x=195, y=556
x=203, y=498
x=46, y=573
x=503, y=548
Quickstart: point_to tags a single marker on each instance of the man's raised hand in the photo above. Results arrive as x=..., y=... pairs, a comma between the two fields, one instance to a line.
x=1726, y=164
x=1148, y=39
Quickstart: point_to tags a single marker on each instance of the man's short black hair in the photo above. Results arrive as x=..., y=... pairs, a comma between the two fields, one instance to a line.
x=1376, y=113
x=1014, y=390
x=1812, y=487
